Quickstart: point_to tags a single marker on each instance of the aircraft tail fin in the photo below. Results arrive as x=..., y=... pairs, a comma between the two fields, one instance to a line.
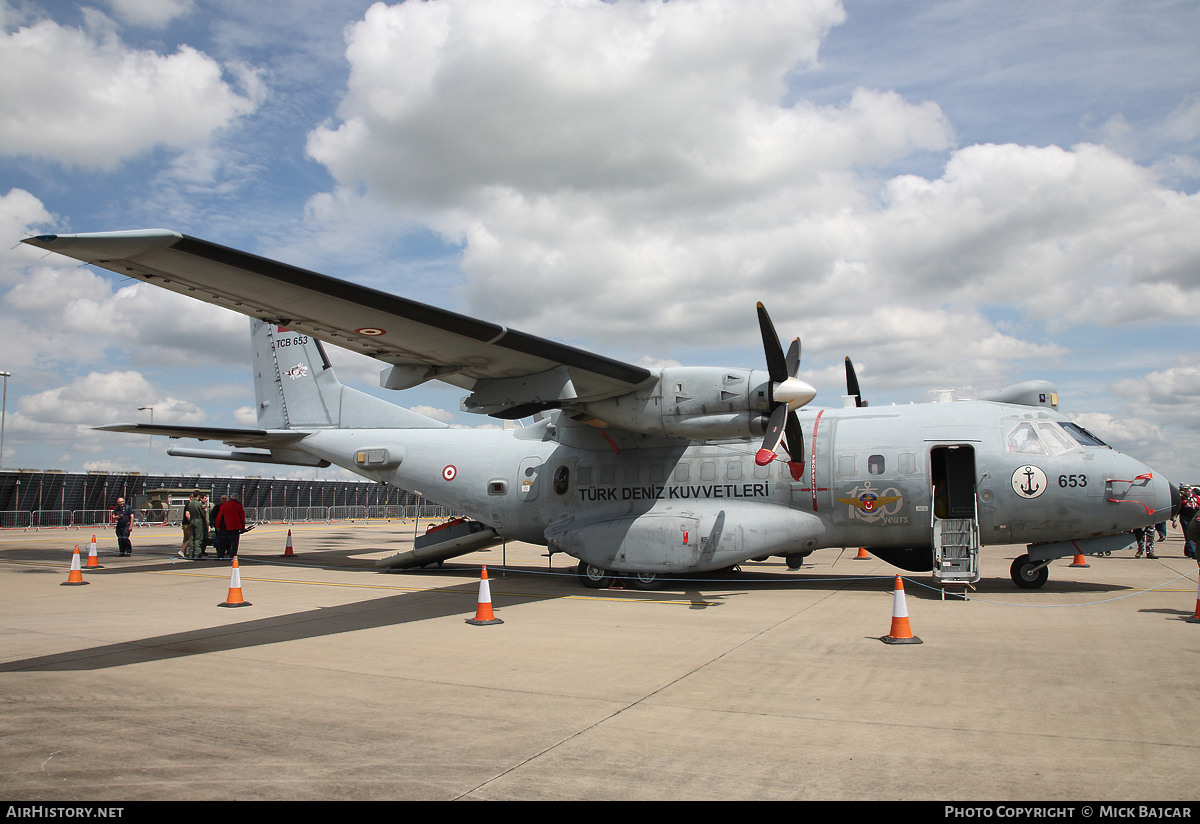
x=295, y=388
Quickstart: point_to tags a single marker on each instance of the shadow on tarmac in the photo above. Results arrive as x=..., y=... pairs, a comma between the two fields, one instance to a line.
x=698, y=591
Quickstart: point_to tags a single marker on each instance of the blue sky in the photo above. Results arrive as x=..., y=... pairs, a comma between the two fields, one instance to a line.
x=956, y=194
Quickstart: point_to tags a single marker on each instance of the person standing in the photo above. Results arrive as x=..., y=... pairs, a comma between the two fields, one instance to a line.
x=1145, y=539
x=214, y=522
x=1188, y=503
x=123, y=522
x=195, y=520
x=231, y=523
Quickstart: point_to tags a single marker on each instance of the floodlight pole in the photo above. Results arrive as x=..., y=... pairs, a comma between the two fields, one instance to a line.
x=3, y=414
x=150, y=447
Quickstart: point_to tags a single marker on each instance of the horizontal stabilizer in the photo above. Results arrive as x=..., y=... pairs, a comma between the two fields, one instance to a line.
x=288, y=457
x=258, y=438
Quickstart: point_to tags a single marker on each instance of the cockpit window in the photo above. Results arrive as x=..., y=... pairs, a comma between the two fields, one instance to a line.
x=1083, y=436
x=1023, y=440
x=1055, y=438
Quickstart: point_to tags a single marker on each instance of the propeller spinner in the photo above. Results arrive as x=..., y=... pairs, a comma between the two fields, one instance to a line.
x=788, y=393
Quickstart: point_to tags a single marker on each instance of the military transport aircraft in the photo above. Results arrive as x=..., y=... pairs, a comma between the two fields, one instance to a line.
x=642, y=473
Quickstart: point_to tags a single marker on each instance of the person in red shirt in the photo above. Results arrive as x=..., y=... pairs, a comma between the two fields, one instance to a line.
x=231, y=522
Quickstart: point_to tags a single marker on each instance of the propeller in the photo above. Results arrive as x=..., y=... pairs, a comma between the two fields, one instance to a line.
x=788, y=393
x=852, y=385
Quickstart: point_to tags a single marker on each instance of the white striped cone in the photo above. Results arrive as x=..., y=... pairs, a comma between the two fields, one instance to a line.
x=234, y=599
x=75, y=576
x=901, y=632
x=483, y=610
x=93, y=561
x=287, y=552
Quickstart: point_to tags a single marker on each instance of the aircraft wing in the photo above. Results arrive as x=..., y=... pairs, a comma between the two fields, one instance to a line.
x=506, y=369
x=258, y=438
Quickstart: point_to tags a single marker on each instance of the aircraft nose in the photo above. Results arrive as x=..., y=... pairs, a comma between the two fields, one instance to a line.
x=1176, y=500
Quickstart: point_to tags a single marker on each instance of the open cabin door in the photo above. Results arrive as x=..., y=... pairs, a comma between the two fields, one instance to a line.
x=955, y=515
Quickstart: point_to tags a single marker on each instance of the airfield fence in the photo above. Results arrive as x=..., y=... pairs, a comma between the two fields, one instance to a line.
x=85, y=500
x=99, y=519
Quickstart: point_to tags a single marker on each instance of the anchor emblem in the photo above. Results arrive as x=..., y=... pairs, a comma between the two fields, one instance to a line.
x=1029, y=481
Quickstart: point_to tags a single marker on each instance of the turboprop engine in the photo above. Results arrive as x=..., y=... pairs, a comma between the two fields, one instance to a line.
x=694, y=402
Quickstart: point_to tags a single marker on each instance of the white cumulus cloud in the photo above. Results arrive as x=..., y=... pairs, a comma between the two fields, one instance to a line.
x=81, y=97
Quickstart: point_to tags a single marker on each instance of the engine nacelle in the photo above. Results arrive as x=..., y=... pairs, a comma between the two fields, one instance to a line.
x=696, y=402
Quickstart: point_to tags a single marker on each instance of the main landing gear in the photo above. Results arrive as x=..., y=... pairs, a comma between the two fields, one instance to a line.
x=594, y=577
x=1028, y=573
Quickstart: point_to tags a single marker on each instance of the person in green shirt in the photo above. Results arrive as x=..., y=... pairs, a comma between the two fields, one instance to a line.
x=196, y=517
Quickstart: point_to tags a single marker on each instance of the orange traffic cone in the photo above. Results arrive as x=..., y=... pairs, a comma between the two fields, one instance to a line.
x=93, y=561
x=1195, y=619
x=483, y=611
x=862, y=555
x=234, y=599
x=75, y=578
x=1080, y=561
x=287, y=552
x=901, y=632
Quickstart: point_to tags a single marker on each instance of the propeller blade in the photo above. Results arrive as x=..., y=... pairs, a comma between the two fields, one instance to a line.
x=795, y=438
x=852, y=384
x=793, y=358
x=776, y=362
x=773, y=435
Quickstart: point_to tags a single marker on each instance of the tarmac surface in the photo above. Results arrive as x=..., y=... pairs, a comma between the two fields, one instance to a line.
x=341, y=681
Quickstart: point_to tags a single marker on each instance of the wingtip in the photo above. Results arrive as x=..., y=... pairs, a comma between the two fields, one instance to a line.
x=105, y=245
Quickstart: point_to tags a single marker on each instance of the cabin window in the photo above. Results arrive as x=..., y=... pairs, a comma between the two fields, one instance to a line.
x=585, y=476
x=875, y=464
x=708, y=471
x=681, y=473
x=906, y=462
x=608, y=476
x=733, y=471
x=762, y=472
x=845, y=465
x=562, y=480
x=497, y=487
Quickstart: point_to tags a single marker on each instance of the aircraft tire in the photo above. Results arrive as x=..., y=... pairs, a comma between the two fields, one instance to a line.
x=646, y=581
x=796, y=560
x=593, y=577
x=1026, y=574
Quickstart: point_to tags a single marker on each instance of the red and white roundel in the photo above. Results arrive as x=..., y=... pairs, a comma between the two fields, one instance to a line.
x=370, y=331
x=449, y=472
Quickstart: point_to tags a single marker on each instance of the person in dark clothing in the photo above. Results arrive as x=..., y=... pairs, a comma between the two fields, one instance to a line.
x=219, y=536
x=123, y=521
x=1188, y=504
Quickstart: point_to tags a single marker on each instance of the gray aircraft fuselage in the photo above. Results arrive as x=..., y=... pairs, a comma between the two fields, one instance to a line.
x=873, y=477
